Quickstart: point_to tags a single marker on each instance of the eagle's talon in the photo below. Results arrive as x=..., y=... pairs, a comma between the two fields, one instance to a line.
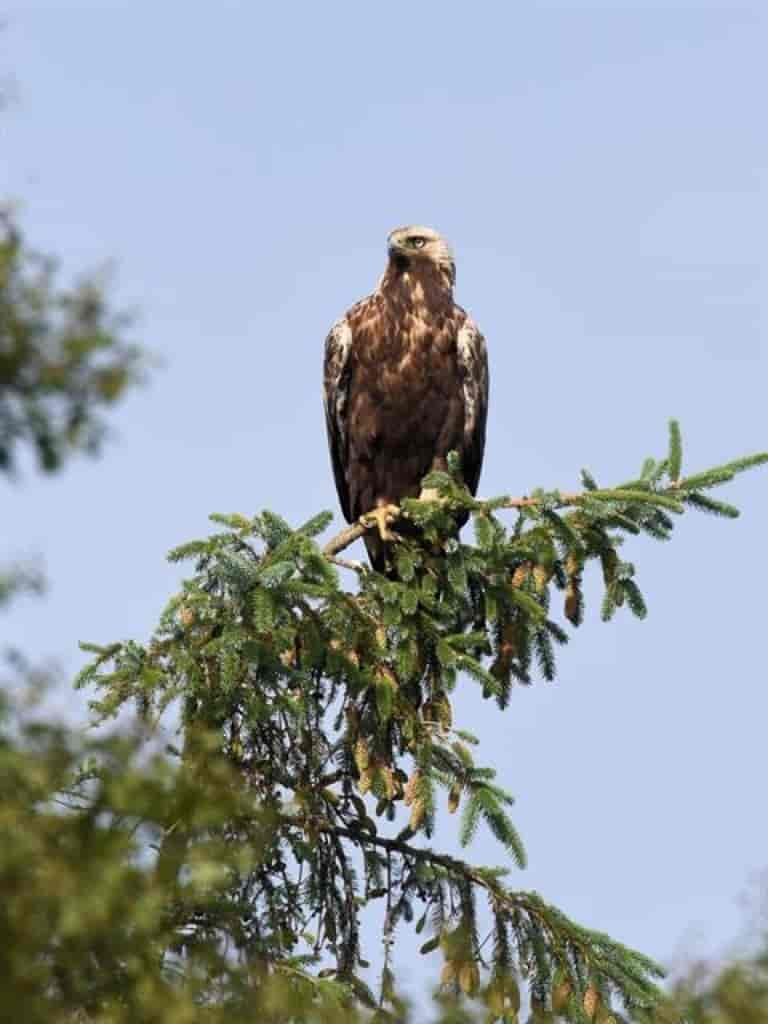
x=381, y=517
x=431, y=494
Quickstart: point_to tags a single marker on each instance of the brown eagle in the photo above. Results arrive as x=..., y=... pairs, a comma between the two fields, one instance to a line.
x=406, y=382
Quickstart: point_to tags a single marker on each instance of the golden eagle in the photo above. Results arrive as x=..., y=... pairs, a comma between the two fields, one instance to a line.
x=406, y=382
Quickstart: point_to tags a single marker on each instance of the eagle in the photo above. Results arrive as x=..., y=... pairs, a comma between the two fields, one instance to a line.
x=405, y=383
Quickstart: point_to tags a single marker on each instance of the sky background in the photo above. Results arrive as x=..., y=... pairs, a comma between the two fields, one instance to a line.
x=600, y=171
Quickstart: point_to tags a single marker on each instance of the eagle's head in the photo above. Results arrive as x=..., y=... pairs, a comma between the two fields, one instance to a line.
x=415, y=245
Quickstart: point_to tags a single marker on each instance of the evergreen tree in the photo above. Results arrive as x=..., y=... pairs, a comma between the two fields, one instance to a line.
x=328, y=713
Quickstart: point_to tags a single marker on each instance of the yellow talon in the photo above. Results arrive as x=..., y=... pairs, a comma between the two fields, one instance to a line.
x=381, y=517
x=430, y=494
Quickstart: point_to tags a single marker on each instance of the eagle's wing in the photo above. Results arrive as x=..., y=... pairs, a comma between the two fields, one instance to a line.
x=335, y=399
x=473, y=364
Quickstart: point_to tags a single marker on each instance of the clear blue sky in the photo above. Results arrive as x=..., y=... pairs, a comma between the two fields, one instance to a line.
x=600, y=171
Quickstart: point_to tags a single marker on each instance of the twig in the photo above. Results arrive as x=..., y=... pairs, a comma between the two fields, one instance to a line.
x=565, y=499
x=527, y=902
x=345, y=563
x=343, y=540
x=352, y=533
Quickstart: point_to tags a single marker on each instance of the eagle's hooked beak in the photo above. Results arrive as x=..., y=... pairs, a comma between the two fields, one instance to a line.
x=397, y=255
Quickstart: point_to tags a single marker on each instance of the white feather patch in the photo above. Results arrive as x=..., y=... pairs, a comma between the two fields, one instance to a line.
x=337, y=346
x=466, y=344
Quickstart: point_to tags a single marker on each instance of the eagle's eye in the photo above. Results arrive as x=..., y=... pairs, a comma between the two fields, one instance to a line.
x=417, y=241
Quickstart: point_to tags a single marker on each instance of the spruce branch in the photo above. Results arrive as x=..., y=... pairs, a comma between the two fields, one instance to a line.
x=335, y=710
x=629, y=498
x=565, y=940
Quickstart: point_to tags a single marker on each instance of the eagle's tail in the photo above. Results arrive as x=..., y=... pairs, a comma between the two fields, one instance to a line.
x=379, y=553
x=382, y=553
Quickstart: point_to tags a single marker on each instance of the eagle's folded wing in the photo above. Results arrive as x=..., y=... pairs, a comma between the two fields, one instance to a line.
x=473, y=363
x=335, y=400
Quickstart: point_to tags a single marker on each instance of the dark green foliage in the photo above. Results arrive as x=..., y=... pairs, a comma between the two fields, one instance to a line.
x=62, y=357
x=332, y=710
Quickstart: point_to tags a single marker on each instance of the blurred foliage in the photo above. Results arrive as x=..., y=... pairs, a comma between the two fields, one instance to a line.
x=63, y=357
x=735, y=992
x=63, y=361
x=20, y=578
x=94, y=924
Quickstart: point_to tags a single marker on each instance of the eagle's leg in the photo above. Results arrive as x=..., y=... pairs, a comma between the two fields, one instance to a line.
x=381, y=517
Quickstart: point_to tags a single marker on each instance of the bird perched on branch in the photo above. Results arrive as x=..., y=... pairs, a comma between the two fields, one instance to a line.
x=405, y=383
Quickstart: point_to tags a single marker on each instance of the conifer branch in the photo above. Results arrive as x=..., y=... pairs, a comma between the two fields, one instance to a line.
x=602, y=955
x=335, y=710
x=348, y=536
x=633, y=495
x=343, y=540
